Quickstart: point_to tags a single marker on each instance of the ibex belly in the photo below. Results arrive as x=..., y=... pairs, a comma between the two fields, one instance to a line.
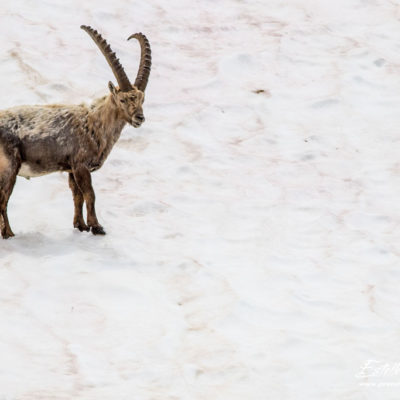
x=44, y=155
x=27, y=171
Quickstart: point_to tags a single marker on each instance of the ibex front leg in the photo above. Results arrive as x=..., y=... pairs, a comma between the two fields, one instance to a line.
x=83, y=181
x=79, y=222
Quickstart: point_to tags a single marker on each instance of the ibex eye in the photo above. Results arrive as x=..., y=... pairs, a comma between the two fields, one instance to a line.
x=122, y=101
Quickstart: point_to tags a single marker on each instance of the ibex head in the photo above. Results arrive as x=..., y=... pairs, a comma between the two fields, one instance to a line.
x=127, y=97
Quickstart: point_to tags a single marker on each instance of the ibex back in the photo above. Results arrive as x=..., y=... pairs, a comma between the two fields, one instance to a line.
x=37, y=140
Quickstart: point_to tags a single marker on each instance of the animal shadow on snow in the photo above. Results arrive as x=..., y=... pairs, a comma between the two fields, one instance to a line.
x=38, y=245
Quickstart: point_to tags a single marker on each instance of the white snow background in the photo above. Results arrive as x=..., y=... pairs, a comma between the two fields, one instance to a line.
x=253, y=221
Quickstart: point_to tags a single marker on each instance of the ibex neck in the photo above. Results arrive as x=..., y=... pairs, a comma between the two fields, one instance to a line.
x=104, y=124
x=106, y=117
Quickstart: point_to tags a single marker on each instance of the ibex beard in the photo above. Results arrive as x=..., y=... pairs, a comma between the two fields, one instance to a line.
x=41, y=139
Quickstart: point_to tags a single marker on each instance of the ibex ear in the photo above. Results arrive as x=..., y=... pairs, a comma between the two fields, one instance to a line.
x=112, y=89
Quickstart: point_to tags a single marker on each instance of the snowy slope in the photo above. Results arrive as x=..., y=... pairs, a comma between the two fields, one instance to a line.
x=252, y=222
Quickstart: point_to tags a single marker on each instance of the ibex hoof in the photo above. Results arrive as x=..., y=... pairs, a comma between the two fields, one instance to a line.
x=82, y=227
x=7, y=235
x=98, y=230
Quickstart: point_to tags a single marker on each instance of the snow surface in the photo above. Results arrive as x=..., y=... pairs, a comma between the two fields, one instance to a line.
x=252, y=222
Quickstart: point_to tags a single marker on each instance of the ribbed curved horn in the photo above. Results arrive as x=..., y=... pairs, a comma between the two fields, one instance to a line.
x=145, y=61
x=113, y=62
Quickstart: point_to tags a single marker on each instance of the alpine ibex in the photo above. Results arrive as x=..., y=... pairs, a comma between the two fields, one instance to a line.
x=37, y=140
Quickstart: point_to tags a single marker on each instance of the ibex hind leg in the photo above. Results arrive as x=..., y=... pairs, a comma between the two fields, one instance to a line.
x=10, y=162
